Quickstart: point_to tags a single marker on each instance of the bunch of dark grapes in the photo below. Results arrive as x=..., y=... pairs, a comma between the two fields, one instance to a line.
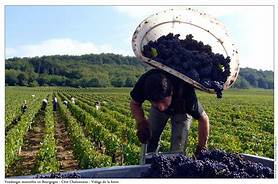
x=209, y=164
x=191, y=58
x=161, y=167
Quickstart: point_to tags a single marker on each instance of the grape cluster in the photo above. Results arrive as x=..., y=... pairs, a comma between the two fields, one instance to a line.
x=210, y=164
x=191, y=58
x=161, y=166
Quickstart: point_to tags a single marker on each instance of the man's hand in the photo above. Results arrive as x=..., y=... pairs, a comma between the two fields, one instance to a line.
x=198, y=151
x=143, y=131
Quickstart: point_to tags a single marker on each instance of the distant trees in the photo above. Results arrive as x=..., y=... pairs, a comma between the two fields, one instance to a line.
x=249, y=77
x=92, y=70
x=117, y=81
x=241, y=83
x=101, y=70
x=11, y=77
x=130, y=81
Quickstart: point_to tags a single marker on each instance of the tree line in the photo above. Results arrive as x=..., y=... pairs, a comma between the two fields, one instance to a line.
x=100, y=70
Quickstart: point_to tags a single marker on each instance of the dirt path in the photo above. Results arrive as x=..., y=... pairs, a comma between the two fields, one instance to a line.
x=32, y=143
x=64, y=147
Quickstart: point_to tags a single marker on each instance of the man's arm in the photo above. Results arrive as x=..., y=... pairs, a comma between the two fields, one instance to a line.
x=137, y=111
x=203, y=130
x=143, y=131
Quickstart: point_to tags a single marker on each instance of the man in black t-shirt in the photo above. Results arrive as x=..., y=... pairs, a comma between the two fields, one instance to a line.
x=173, y=98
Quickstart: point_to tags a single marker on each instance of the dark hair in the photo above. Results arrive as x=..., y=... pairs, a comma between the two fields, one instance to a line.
x=157, y=87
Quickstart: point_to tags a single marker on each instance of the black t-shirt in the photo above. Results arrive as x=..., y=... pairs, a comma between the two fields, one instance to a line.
x=184, y=98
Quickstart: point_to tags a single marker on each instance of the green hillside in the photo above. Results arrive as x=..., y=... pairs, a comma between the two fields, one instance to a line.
x=100, y=70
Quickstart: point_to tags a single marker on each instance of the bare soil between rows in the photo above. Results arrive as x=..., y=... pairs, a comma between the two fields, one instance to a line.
x=65, y=154
x=26, y=161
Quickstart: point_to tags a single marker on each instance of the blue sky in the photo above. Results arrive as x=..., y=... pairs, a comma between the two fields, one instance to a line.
x=27, y=24
x=75, y=30
x=34, y=24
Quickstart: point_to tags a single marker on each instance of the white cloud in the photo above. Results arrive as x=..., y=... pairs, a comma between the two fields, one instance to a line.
x=61, y=46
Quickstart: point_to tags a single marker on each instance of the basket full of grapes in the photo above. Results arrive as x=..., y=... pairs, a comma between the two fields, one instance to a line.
x=191, y=45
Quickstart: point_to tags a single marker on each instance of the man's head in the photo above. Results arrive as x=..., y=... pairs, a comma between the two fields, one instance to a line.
x=159, y=90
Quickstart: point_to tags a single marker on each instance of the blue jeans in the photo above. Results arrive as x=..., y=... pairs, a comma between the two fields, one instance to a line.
x=180, y=125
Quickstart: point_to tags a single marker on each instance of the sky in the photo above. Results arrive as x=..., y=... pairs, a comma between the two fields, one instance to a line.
x=75, y=30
